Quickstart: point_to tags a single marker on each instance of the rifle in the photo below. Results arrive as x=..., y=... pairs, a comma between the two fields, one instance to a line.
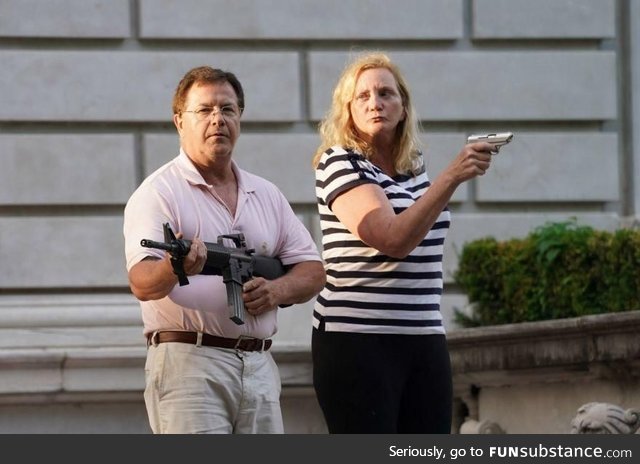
x=235, y=265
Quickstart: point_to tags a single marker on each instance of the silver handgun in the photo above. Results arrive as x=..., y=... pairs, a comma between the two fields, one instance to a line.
x=497, y=140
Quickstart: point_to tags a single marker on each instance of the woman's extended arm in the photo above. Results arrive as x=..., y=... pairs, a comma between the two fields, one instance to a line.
x=367, y=213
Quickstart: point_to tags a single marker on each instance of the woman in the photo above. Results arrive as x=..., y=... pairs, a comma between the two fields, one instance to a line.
x=381, y=363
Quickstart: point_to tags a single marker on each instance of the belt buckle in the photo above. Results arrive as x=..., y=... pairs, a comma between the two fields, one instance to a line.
x=260, y=341
x=239, y=341
x=152, y=340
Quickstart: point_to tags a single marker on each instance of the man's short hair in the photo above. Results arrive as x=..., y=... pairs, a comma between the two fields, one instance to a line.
x=205, y=75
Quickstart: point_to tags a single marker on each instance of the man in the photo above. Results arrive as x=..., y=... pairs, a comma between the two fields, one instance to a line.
x=205, y=373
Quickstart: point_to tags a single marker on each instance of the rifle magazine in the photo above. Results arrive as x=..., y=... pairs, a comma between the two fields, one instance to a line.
x=235, y=302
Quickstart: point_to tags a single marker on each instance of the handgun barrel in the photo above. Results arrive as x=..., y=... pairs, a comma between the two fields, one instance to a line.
x=500, y=138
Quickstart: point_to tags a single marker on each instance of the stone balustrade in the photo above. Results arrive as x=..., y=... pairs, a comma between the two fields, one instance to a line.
x=518, y=378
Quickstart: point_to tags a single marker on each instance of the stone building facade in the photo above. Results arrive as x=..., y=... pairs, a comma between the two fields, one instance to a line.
x=85, y=115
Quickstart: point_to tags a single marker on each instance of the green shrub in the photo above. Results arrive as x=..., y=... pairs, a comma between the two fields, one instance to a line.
x=559, y=270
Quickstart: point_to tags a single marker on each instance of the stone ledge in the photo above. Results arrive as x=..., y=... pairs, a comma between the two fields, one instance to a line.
x=597, y=324
x=79, y=374
x=597, y=346
x=592, y=347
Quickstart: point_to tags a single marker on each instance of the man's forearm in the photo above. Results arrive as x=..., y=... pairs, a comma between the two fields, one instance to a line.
x=302, y=282
x=152, y=279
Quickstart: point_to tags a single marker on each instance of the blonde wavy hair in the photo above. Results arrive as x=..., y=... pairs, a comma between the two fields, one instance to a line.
x=337, y=127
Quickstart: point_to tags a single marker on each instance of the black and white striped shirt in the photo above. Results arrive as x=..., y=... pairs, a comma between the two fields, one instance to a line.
x=367, y=291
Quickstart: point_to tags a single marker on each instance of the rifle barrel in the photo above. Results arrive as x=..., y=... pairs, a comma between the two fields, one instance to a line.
x=159, y=245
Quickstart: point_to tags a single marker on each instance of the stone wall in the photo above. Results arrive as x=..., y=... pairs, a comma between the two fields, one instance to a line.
x=85, y=115
x=532, y=377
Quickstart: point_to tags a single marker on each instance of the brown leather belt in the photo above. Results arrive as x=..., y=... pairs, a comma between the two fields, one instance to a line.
x=242, y=343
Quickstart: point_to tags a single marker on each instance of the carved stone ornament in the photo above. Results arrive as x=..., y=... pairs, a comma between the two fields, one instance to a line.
x=472, y=426
x=605, y=418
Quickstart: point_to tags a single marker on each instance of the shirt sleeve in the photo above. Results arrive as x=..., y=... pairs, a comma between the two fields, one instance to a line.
x=145, y=213
x=340, y=170
x=296, y=243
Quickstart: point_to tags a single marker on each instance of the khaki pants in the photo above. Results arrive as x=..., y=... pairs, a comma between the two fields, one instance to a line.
x=199, y=389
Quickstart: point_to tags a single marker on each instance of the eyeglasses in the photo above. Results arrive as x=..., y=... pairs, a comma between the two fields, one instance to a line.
x=227, y=112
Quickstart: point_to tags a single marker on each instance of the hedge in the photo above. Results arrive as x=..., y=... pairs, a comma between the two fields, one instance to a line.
x=559, y=270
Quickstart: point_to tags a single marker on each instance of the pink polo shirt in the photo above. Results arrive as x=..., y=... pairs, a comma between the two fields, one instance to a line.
x=176, y=193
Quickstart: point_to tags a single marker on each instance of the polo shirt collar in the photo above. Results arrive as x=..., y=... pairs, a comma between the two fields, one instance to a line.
x=194, y=177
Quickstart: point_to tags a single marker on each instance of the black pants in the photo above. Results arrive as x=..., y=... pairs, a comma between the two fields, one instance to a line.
x=375, y=383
